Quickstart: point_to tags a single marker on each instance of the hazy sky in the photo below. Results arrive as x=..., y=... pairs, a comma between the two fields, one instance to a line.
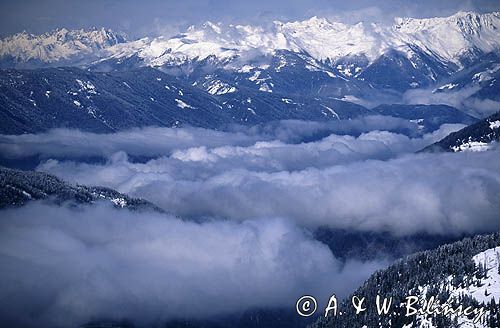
x=138, y=18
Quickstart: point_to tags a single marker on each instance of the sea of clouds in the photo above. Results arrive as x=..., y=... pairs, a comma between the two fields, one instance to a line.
x=363, y=175
x=242, y=205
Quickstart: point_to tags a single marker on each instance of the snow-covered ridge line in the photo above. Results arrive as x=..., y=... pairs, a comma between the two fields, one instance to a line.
x=448, y=39
x=59, y=44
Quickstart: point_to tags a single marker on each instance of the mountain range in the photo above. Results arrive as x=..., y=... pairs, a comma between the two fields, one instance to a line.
x=214, y=75
x=41, y=99
x=428, y=72
x=455, y=41
x=368, y=64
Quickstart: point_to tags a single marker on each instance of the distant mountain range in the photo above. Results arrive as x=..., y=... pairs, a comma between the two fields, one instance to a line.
x=60, y=46
x=455, y=41
x=315, y=58
x=41, y=99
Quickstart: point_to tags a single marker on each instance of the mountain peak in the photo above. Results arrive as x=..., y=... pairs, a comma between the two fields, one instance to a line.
x=58, y=44
x=449, y=40
x=214, y=27
x=315, y=20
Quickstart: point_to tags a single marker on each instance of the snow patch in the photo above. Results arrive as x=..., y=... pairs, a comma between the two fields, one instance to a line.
x=472, y=146
x=86, y=86
x=121, y=202
x=182, y=104
x=494, y=125
x=331, y=111
x=220, y=88
x=265, y=88
x=448, y=86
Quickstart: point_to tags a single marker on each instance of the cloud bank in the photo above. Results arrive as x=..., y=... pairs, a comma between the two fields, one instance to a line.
x=369, y=182
x=248, y=198
x=463, y=99
x=426, y=193
x=153, y=142
x=67, y=266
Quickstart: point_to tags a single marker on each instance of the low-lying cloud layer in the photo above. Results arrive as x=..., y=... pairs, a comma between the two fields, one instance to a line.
x=433, y=193
x=64, y=267
x=153, y=142
x=371, y=181
x=253, y=189
x=464, y=99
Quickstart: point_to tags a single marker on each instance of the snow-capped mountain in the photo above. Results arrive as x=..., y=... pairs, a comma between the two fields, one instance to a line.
x=408, y=54
x=332, y=58
x=454, y=40
x=60, y=46
x=313, y=69
x=451, y=39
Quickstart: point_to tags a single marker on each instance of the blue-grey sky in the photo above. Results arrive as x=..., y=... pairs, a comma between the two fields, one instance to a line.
x=138, y=18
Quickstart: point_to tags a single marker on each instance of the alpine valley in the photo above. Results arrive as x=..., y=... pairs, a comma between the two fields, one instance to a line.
x=209, y=178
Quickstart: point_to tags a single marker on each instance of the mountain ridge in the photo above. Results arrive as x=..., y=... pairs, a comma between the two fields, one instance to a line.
x=461, y=272
x=61, y=46
x=17, y=188
x=463, y=33
x=479, y=136
x=361, y=63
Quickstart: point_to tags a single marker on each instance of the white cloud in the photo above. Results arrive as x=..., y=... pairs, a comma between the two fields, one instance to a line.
x=153, y=142
x=463, y=99
x=372, y=182
x=66, y=266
